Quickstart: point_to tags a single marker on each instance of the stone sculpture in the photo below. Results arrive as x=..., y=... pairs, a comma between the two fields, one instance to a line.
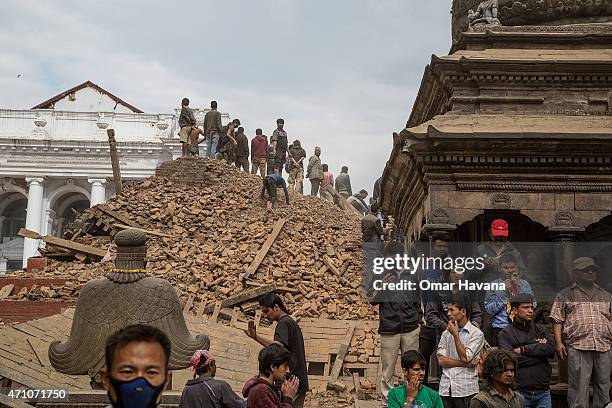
x=125, y=296
x=485, y=14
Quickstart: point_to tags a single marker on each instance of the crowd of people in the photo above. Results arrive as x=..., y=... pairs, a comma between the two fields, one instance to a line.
x=501, y=336
x=268, y=158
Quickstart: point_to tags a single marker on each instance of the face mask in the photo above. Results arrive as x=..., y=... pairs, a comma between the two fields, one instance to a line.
x=137, y=393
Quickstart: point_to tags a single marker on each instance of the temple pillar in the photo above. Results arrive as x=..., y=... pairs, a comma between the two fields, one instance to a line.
x=98, y=191
x=33, y=215
x=3, y=265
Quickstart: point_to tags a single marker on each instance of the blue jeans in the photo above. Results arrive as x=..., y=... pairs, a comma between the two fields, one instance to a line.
x=537, y=399
x=211, y=150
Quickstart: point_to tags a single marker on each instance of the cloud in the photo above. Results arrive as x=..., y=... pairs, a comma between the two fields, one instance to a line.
x=343, y=74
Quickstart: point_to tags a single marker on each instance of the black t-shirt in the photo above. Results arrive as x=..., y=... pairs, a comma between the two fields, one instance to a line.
x=290, y=335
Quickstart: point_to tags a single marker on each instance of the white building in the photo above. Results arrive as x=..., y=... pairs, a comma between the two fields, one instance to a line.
x=54, y=159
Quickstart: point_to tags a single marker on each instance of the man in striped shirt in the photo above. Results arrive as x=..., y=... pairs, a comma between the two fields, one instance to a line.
x=458, y=353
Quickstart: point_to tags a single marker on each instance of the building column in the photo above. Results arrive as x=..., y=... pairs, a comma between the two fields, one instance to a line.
x=98, y=191
x=33, y=216
x=3, y=265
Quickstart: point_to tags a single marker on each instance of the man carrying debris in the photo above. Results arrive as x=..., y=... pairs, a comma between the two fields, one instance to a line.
x=187, y=123
x=259, y=153
x=343, y=183
x=242, y=150
x=287, y=334
x=296, y=175
x=357, y=201
x=314, y=172
x=270, y=183
x=212, y=129
x=280, y=144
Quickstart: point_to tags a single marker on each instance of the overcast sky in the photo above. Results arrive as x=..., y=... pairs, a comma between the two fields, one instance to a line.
x=342, y=73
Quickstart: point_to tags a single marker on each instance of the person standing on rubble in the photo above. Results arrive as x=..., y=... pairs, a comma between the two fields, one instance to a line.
x=242, y=150
x=288, y=334
x=187, y=123
x=270, y=183
x=328, y=180
x=259, y=153
x=227, y=142
x=212, y=129
x=371, y=226
x=343, y=183
x=280, y=144
x=296, y=175
x=314, y=172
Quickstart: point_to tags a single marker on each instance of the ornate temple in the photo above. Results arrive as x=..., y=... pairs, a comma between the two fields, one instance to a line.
x=516, y=122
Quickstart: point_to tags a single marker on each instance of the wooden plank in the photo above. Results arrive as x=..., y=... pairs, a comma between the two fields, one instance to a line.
x=189, y=304
x=234, y=317
x=357, y=384
x=264, y=249
x=257, y=317
x=246, y=295
x=215, y=314
x=41, y=350
x=341, y=201
x=119, y=217
x=63, y=243
x=146, y=231
x=330, y=264
x=200, y=312
x=333, y=377
x=6, y=401
x=6, y=291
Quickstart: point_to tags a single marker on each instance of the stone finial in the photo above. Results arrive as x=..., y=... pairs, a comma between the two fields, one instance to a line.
x=130, y=261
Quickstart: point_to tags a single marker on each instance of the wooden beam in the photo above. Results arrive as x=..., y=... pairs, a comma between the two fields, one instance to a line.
x=189, y=304
x=63, y=243
x=215, y=314
x=257, y=317
x=246, y=295
x=146, y=231
x=341, y=201
x=200, y=312
x=344, y=346
x=119, y=217
x=264, y=249
x=330, y=264
x=358, y=390
x=234, y=317
x=114, y=160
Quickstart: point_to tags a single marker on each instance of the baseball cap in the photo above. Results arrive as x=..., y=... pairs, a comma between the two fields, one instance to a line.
x=499, y=227
x=584, y=262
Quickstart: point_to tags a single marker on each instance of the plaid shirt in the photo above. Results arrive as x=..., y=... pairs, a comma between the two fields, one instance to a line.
x=460, y=381
x=586, y=320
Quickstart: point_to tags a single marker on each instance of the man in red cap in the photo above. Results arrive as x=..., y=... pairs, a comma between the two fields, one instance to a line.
x=493, y=250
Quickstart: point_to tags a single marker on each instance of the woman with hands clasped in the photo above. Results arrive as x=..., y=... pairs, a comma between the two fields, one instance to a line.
x=413, y=393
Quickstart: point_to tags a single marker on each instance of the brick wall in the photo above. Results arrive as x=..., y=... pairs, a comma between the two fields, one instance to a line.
x=13, y=311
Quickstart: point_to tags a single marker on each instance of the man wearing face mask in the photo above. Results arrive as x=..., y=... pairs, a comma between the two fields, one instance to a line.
x=136, y=369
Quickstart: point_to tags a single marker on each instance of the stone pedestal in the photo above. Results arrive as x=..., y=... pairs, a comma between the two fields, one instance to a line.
x=33, y=215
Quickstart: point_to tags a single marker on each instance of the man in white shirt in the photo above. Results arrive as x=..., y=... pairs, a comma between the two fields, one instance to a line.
x=458, y=353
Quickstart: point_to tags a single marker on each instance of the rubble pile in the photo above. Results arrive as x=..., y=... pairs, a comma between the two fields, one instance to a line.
x=209, y=226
